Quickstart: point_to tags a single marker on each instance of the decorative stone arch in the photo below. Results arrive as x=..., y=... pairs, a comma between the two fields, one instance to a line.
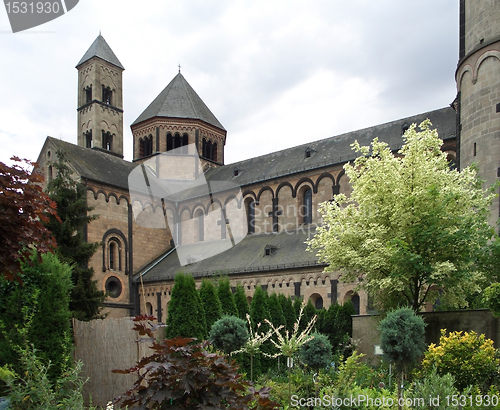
x=317, y=300
x=247, y=194
x=354, y=297
x=321, y=177
x=283, y=184
x=262, y=190
x=302, y=182
x=480, y=60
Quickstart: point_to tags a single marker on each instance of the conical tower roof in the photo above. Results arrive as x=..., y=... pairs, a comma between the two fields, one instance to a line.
x=179, y=100
x=101, y=49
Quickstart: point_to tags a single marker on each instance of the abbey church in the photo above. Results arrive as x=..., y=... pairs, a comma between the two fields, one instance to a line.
x=144, y=236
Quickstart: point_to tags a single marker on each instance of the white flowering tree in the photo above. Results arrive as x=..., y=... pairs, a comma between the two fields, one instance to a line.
x=288, y=344
x=413, y=227
x=253, y=343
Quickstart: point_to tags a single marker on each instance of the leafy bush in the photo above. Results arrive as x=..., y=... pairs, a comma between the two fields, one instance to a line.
x=433, y=386
x=185, y=375
x=316, y=352
x=229, y=334
x=33, y=390
x=468, y=357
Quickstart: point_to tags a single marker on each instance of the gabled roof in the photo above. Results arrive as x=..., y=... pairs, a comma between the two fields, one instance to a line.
x=93, y=164
x=329, y=151
x=179, y=100
x=101, y=49
x=249, y=255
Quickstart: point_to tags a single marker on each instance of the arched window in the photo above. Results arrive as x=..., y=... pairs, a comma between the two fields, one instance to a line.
x=170, y=144
x=355, y=302
x=307, y=207
x=88, y=94
x=88, y=139
x=107, y=141
x=318, y=303
x=149, y=309
x=106, y=95
x=177, y=141
x=114, y=254
x=214, y=152
x=142, y=148
x=209, y=150
x=204, y=148
x=200, y=224
x=251, y=216
x=184, y=144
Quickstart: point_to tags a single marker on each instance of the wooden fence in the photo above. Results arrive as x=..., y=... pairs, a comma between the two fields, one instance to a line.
x=104, y=345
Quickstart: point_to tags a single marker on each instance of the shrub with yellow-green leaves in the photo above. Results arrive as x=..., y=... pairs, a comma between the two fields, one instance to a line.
x=469, y=357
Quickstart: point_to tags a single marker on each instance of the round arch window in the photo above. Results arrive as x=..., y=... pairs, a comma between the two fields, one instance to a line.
x=113, y=287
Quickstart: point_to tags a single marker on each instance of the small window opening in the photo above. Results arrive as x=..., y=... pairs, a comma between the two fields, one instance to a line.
x=474, y=149
x=113, y=287
x=88, y=139
x=236, y=172
x=271, y=250
x=309, y=152
x=307, y=207
x=107, y=141
x=88, y=94
x=170, y=144
x=106, y=95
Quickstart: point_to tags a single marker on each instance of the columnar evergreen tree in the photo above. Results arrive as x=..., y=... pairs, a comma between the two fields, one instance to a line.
x=71, y=199
x=41, y=304
x=336, y=324
x=226, y=298
x=413, y=227
x=275, y=311
x=259, y=312
x=211, y=303
x=241, y=302
x=309, y=312
x=186, y=316
x=288, y=311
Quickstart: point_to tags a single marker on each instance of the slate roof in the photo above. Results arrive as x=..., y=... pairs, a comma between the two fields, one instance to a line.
x=93, y=164
x=246, y=256
x=329, y=151
x=101, y=49
x=179, y=100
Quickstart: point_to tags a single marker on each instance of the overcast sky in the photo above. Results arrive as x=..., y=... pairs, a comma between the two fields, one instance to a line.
x=275, y=73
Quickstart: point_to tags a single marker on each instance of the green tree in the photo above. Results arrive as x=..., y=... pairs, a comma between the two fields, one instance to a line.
x=402, y=339
x=259, y=312
x=275, y=311
x=413, y=227
x=43, y=302
x=288, y=311
x=71, y=199
x=226, y=298
x=309, y=312
x=24, y=208
x=229, y=334
x=241, y=302
x=316, y=352
x=211, y=303
x=186, y=317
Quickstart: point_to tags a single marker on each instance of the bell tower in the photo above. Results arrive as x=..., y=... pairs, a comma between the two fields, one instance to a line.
x=100, y=99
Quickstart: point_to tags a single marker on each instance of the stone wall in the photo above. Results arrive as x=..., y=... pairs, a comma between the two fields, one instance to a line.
x=481, y=321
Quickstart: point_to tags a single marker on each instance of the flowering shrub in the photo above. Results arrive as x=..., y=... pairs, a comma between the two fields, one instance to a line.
x=468, y=357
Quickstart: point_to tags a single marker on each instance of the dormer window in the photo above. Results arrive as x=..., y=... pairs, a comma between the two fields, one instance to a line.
x=271, y=250
x=106, y=95
x=404, y=128
x=309, y=152
x=236, y=172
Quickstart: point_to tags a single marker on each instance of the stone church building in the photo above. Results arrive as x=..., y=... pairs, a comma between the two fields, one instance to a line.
x=279, y=193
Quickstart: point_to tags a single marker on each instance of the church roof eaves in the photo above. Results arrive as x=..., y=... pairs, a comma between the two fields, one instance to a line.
x=329, y=151
x=179, y=100
x=101, y=49
x=95, y=165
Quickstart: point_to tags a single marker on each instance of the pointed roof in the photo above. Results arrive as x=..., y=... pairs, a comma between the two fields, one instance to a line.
x=179, y=100
x=101, y=49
